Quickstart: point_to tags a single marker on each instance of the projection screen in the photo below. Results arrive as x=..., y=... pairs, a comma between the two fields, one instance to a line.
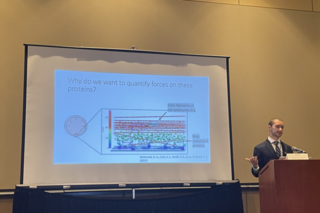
x=95, y=116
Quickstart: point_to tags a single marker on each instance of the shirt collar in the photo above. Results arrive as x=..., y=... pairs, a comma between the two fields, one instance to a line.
x=272, y=140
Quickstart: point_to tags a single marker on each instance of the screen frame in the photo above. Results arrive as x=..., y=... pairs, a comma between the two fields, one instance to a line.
x=116, y=50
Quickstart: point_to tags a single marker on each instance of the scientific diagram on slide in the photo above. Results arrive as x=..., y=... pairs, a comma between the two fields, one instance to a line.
x=156, y=130
x=134, y=131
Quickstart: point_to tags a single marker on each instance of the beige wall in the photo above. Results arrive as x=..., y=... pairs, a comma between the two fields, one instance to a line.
x=274, y=47
x=251, y=202
x=6, y=204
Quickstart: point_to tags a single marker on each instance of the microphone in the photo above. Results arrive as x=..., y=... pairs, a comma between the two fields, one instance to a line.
x=298, y=150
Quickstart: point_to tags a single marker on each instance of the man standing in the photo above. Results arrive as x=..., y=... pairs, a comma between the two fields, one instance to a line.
x=272, y=148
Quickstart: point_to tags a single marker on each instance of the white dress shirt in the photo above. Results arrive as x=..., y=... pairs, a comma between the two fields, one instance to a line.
x=274, y=146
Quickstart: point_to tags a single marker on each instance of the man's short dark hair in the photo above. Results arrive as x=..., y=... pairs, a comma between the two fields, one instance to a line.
x=271, y=122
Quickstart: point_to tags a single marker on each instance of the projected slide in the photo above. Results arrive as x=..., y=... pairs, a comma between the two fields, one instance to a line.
x=130, y=118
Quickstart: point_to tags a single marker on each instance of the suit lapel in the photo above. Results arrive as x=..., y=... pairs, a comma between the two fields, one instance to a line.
x=270, y=149
x=284, y=149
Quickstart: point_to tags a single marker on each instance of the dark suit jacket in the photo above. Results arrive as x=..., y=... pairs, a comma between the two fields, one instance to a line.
x=265, y=152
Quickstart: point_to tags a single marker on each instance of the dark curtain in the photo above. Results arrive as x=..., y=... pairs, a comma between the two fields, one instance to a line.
x=226, y=198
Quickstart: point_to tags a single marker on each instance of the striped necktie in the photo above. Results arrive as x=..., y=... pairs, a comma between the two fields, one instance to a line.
x=278, y=152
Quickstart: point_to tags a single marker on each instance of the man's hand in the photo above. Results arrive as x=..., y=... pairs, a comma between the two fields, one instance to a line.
x=254, y=161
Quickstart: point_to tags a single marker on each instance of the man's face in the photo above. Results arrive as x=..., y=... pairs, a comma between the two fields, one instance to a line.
x=276, y=130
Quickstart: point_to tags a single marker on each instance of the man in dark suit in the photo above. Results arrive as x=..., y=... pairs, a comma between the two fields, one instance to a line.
x=272, y=148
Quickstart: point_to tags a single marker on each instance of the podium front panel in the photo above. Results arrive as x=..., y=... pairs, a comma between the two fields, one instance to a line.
x=290, y=186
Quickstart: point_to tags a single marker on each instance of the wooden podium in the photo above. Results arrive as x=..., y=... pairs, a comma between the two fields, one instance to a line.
x=290, y=186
